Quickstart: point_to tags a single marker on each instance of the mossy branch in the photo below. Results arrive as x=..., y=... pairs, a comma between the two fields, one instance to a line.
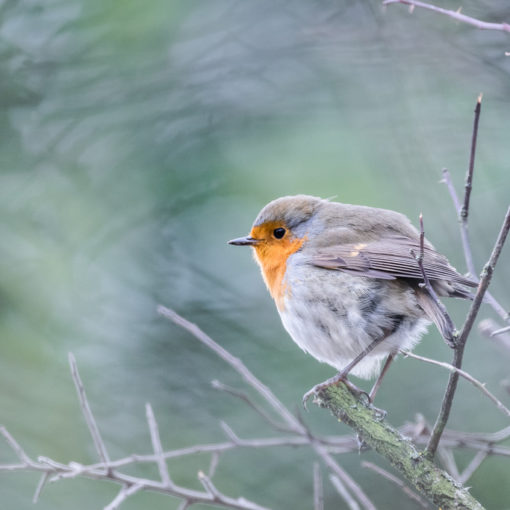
x=432, y=482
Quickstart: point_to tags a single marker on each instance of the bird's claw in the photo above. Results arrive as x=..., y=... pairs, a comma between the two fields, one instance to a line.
x=312, y=391
x=357, y=392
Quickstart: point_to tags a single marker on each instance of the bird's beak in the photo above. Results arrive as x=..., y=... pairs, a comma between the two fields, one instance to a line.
x=244, y=241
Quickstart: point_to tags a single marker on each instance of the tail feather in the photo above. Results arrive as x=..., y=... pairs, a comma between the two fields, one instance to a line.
x=435, y=314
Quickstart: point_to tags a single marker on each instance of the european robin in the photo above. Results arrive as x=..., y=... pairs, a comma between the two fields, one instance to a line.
x=347, y=283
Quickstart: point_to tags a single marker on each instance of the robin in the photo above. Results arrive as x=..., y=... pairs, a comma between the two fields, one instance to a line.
x=347, y=283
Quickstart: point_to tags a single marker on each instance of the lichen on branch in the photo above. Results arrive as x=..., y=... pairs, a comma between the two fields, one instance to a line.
x=372, y=428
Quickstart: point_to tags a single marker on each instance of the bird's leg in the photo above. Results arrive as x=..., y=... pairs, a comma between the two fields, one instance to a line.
x=342, y=375
x=377, y=383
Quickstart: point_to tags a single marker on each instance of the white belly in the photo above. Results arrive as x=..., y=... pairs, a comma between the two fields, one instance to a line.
x=334, y=324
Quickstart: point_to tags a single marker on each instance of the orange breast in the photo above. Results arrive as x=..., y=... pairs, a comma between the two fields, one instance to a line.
x=272, y=257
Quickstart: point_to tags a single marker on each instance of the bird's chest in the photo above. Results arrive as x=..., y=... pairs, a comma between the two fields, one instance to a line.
x=323, y=312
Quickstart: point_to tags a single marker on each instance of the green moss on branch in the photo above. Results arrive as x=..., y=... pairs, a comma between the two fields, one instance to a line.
x=434, y=483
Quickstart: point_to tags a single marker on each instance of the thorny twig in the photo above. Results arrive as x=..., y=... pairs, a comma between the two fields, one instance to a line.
x=456, y=15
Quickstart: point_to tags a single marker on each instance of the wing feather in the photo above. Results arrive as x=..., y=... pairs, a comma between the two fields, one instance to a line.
x=389, y=258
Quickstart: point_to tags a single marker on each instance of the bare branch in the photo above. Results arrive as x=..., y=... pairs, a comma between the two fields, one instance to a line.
x=40, y=486
x=457, y=439
x=243, y=396
x=318, y=491
x=466, y=247
x=209, y=486
x=294, y=424
x=87, y=413
x=342, y=475
x=485, y=280
x=475, y=463
x=447, y=179
x=344, y=493
x=124, y=493
x=236, y=364
x=230, y=433
x=448, y=461
x=399, y=483
x=464, y=212
x=215, y=459
x=16, y=447
x=156, y=445
x=506, y=329
x=466, y=375
x=185, y=505
x=494, y=332
x=218, y=497
x=456, y=15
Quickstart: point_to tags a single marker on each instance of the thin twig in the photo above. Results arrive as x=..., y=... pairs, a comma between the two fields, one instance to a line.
x=475, y=463
x=340, y=444
x=87, y=413
x=466, y=247
x=294, y=424
x=243, y=396
x=464, y=212
x=235, y=363
x=215, y=459
x=318, y=490
x=429, y=288
x=466, y=375
x=209, y=486
x=124, y=493
x=156, y=444
x=230, y=433
x=40, y=486
x=185, y=505
x=488, y=327
x=344, y=493
x=399, y=483
x=485, y=280
x=482, y=25
x=18, y=450
x=346, y=479
x=448, y=459
x=500, y=331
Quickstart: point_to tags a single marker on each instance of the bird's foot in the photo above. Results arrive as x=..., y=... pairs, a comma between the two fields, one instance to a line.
x=340, y=377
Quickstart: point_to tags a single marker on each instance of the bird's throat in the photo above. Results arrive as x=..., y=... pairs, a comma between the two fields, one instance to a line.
x=272, y=258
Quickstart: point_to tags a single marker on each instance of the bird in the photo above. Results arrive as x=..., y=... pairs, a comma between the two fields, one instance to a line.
x=353, y=284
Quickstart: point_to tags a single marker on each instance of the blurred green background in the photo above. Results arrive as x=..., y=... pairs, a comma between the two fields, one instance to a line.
x=137, y=138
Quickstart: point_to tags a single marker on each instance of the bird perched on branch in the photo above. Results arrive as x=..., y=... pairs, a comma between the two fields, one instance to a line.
x=348, y=282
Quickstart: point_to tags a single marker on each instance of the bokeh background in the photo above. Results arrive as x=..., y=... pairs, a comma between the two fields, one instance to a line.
x=137, y=138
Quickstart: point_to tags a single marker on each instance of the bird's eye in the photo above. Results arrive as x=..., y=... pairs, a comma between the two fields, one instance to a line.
x=279, y=232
